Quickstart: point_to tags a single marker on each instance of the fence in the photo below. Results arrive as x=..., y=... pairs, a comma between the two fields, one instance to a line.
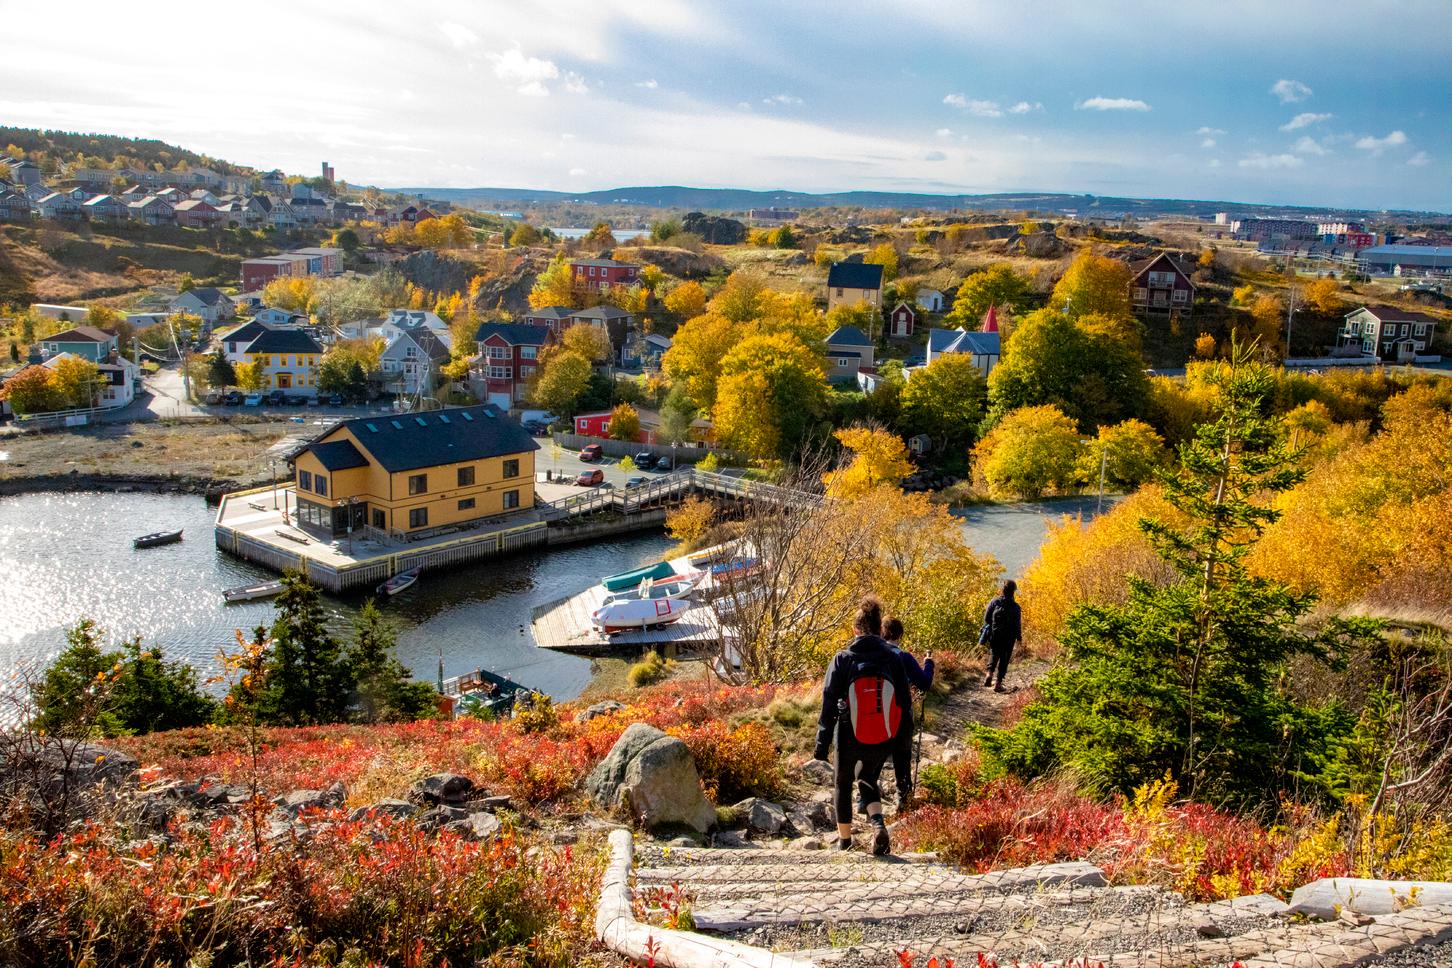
x=684, y=453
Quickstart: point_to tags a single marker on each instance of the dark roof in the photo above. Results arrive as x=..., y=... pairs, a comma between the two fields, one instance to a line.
x=964, y=341
x=549, y=312
x=515, y=334
x=606, y=263
x=844, y=354
x=1138, y=267
x=854, y=275
x=408, y=441
x=602, y=311
x=424, y=339
x=209, y=295
x=1389, y=314
x=247, y=331
x=848, y=336
x=339, y=455
x=284, y=341
x=81, y=334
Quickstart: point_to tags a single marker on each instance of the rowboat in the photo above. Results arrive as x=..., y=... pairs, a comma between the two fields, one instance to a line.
x=734, y=569
x=677, y=586
x=399, y=582
x=157, y=538
x=713, y=555
x=629, y=579
x=638, y=614
x=247, y=593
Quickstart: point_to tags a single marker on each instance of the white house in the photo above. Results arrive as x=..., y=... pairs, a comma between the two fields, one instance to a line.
x=272, y=316
x=412, y=360
x=235, y=343
x=400, y=321
x=116, y=386
x=930, y=300
x=984, y=348
x=208, y=302
x=57, y=205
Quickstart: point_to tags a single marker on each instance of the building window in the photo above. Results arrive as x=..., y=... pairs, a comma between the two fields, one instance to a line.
x=320, y=485
x=418, y=483
x=511, y=500
x=498, y=352
x=1141, y=294
x=501, y=372
x=511, y=468
x=379, y=519
x=466, y=476
x=305, y=480
x=1179, y=295
x=418, y=518
x=528, y=352
x=467, y=504
x=526, y=372
x=839, y=292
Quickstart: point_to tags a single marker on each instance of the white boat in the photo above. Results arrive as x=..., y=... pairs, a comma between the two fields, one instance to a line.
x=638, y=614
x=399, y=582
x=677, y=586
x=248, y=593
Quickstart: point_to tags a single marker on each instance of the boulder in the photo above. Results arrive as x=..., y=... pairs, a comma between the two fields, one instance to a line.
x=479, y=825
x=71, y=763
x=442, y=788
x=436, y=817
x=715, y=229
x=762, y=816
x=398, y=809
x=652, y=777
x=599, y=709
x=805, y=843
x=1326, y=897
x=817, y=771
x=728, y=838
x=296, y=801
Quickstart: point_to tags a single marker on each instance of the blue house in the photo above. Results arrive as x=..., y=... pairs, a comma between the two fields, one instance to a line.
x=985, y=348
x=87, y=342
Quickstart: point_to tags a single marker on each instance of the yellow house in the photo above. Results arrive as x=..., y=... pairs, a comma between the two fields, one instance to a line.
x=289, y=359
x=410, y=473
x=850, y=283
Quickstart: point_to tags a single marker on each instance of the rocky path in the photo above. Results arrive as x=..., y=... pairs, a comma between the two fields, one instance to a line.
x=850, y=910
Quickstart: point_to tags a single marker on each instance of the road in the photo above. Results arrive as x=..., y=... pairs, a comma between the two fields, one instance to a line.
x=568, y=465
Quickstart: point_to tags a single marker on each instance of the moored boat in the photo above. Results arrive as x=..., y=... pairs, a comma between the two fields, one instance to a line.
x=677, y=586
x=157, y=538
x=735, y=569
x=248, y=593
x=712, y=555
x=399, y=582
x=638, y=614
x=629, y=579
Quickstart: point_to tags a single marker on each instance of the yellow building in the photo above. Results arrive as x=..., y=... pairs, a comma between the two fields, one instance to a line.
x=289, y=359
x=411, y=473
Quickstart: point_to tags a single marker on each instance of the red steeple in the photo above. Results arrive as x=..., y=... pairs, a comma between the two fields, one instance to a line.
x=990, y=320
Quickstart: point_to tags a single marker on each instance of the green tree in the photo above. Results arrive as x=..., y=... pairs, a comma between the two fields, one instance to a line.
x=1093, y=284
x=384, y=688
x=998, y=285
x=676, y=416
x=563, y=379
x=220, y=372
x=944, y=400
x=187, y=283
x=522, y=233
x=665, y=228
x=342, y=373
x=75, y=684
x=152, y=694
x=1184, y=679
x=14, y=352
x=1129, y=453
x=308, y=680
x=347, y=240
x=1084, y=367
x=1029, y=451
x=783, y=237
x=600, y=235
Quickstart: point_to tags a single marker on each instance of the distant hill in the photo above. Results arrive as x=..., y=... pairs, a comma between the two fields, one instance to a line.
x=65, y=146
x=737, y=200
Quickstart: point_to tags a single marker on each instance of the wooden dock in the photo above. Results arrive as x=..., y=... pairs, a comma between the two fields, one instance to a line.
x=565, y=626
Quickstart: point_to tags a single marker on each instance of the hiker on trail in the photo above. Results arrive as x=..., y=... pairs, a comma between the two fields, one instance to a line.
x=865, y=701
x=1002, y=630
x=920, y=677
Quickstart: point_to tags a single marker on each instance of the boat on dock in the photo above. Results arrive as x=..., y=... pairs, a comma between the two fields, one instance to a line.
x=157, y=538
x=677, y=586
x=735, y=569
x=630, y=579
x=249, y=593
x=639, y=614
x=399, y=582
x=713, y=555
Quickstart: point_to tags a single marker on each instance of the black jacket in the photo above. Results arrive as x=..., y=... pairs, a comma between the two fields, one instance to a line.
x=866, y=653
x=1007, y=627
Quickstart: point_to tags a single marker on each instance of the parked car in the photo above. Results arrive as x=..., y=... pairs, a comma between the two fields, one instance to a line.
x=663, y=464
x=535, y=429
x=252, y=400
x=592, y=452
x=645, y=460
x=336, y=400
x=232, y=398
x=214, y=397
x=276, y=398
x=591, y=478
x=635, y=481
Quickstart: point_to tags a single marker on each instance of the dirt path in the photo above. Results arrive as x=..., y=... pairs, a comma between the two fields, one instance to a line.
x=973, y=703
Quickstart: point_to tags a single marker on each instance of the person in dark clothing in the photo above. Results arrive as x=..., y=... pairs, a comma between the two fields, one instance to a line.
x=865, y=700
x=920, y=677
x=1003, y=629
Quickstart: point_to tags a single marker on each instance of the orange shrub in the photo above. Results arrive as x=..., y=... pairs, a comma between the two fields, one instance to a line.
x=734, y=763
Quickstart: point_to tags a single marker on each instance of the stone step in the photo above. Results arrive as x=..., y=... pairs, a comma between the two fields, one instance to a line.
x=652, y=855
x=1351, y=946
x=810, y=875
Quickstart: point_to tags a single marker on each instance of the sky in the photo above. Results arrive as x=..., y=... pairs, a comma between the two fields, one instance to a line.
x=1327, y=103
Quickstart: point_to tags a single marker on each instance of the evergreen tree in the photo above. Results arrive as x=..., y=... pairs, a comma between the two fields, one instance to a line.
x=69, y=697
x=386, y=691
x=153, y=694
x=308, y=680
x=220, y=372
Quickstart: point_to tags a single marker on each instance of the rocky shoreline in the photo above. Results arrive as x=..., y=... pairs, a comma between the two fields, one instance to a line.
x=210, y=488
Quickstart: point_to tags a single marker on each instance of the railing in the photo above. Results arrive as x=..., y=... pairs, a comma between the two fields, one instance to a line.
x=671, y=488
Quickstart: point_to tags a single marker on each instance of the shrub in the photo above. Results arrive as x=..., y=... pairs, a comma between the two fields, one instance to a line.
x=648, y=671
x=734, y=763
x=710, y=463
x=535, y=712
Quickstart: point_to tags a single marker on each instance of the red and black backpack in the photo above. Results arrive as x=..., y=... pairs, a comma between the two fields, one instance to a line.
x=873, y=713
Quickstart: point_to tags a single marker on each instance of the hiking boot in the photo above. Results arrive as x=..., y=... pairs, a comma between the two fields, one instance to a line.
x=988, y=680
x=844, y=844
x=999, y=688
x=880, y=843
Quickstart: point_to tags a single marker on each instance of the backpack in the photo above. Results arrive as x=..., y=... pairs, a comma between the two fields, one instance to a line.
x=872, y=710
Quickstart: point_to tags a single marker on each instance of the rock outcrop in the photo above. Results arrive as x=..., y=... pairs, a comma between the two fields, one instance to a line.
x=652, y=777
x=715, y=229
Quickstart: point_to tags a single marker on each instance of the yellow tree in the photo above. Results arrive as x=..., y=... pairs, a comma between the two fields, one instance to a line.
x=561, y=381
x=1324, y=296
x=694, y=359
x=772, y=392
x=293, y=295
x=1268, y=311
x=431, y=234
x=632, y=299
x=686, y=301
x=879, y=458
x=589, y=341
x=652, y=276
x=555, y=286
x=740, y=298
x=599, y=235
x=1030, y=451
x=1093, y=284
x=249, y=376
x=624, y=422
x=77, y=380
x=32, y=390
x=456, y=230
x=884, y=255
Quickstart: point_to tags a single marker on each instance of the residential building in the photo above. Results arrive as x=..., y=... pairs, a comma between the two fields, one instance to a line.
x=25, y=172
x=207, y=302
x=412, y=361
x=772, y=216
x=850, y=283
x=234, y=343
x=931, y=300
x=1390, y=334
x=281, y=216
x=1264, y=229
x=58, y=206
x=508, y=359
x=848, y=351
x=983, y=347
x=652, y=348
x=196, y=214
x=273, y=182
x=601, y=274
x=202, y=195
x=66, y=314
x=406, y=476
x=322, y=260
x=598, y=425
x=104, y=209
x=313, y=261
x=1339, y=228
x=401, y=320
x=1407, y=260
x=1160, y=284
x=289, y=359
x=87, y=342
x=14, y=206
x=119, y=378
x=902, y=320
x=557, y=318
x=151, y=210
x=615, y=321
x=271, y=316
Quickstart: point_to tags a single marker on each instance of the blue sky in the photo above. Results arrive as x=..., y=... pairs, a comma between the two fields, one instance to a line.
x=1328, y=103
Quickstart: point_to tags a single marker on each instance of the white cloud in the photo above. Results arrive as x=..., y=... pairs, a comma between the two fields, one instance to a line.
x=1270, y=162
x=934, y=156
x=955, y=100
x=1214, y=162
x=1112, y=104
x=1290, y=91
x=649, y=85
x=1209, y=131
x=1377, y=145
x=1023, y=107
x=1208, y=143
x=577, y=172
x=1419, y=159
x=974, y=106
x=1305, y=119
x=457, y=34
x=527, y=75
x=575, y=84
x=789, y=99
x=1307, y=145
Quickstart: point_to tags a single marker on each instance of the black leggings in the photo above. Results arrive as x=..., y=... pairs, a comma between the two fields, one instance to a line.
x=859, y=767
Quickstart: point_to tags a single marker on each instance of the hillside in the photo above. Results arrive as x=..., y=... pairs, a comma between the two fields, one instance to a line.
x=107, y=148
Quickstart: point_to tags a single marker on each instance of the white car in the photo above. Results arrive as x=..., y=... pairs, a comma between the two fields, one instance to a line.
x=252, y=400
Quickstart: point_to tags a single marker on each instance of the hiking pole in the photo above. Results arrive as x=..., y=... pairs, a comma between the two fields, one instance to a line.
x=918, y=740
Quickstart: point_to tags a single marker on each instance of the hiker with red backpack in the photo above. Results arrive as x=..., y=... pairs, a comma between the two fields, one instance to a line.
x=866, y=702
x=920, y=677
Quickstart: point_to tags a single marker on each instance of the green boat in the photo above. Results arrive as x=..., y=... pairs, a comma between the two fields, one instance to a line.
x=629, y=579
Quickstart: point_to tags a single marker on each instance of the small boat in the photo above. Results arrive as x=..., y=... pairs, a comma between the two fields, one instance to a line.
x=629, y=579
x=157, y=538
x=638, y=614
x=713, y=555
x=735, y=569
x=678, y=586
x=399, y=582
x=247, y=593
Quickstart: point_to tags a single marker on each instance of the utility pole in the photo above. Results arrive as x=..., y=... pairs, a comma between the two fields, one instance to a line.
x=1290, y=318
x=1103, y=463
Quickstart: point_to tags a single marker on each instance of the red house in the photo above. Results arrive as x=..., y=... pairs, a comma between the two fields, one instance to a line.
x=601, y=274
x=1160, y=285
x=902, y=320
x=508, y=359
x=554, y=318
